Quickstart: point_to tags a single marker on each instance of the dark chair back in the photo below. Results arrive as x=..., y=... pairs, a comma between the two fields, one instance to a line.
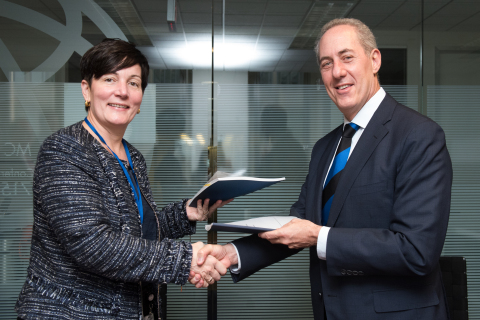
x=454, y=272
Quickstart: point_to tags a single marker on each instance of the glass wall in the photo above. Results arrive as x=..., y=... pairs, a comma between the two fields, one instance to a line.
x=234, y=85
x=451, y=56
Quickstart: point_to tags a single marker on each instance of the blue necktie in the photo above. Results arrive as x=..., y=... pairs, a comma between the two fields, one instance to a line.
x=333, y=177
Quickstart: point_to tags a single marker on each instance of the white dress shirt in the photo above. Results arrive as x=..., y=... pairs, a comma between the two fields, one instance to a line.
x=361, y=119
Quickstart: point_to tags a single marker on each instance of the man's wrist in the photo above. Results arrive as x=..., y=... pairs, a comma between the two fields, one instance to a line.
x=231, y=253
x=322, y=243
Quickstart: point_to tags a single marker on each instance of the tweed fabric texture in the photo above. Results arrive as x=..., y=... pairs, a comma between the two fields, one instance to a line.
x=87, y=257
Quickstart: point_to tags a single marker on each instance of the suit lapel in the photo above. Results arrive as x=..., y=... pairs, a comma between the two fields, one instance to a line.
x=371, y=137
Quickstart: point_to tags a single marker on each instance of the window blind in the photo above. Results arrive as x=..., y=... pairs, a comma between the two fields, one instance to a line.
x=179, y=170
x=280, y=125
x=274, y=130
x=457, y=110
x=31, y=113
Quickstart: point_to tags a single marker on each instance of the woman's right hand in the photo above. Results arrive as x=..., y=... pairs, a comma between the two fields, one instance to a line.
x=209, y=272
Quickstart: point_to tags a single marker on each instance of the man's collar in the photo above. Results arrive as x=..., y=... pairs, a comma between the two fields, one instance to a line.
x=366, y=113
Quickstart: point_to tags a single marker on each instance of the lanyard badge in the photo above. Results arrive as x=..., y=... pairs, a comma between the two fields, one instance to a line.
x=135, y=186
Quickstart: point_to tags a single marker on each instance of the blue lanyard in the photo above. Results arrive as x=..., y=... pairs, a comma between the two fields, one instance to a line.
x=136, y=193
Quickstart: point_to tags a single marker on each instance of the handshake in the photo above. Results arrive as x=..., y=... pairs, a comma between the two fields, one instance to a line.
x=210, y=262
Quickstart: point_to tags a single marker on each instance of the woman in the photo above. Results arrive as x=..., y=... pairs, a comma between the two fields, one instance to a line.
x=100, y=247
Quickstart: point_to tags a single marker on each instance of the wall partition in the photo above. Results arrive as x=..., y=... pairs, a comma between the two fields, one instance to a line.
x=234, y=85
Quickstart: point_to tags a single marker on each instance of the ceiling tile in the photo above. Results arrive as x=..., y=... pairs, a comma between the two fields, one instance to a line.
x=294, y=58
x=154, y=17
x=289, y=7
x=370, y=20
x=195, y=27
x=398, y=22
x=277, y=39
x=150, y=5
x=238, y=38
x=432, y=6
x=459, y=8
x=285, y=64
x=205, y=36
x=279, y=31
x=196, y=6
x=149, y=51
x=248, y=30
x=445, y=21
x=172, y=36
x=283, y=20
x=381, y=8
x=268, y=54
x=299, y=53
x=242, y=7
x=243, y=19
x=272, y=45
x=471, y=24
x=196, y=18
x=156, y=64
x=170, y=44
x=409, y=9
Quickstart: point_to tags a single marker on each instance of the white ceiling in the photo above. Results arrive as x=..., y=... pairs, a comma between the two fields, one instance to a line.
x=253, y=35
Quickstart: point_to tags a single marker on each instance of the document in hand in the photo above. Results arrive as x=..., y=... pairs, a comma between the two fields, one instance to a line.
x=255, y=225
x=225, y=188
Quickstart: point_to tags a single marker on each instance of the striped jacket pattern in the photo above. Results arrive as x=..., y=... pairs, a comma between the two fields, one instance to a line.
x=87, y=258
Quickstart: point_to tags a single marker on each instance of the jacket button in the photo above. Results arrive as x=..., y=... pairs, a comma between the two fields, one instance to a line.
x=343, y=272
x=320, y=294
x=150, y=297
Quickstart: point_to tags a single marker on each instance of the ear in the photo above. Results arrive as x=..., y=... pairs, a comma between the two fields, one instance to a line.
x=86, y=90
x=376, y=58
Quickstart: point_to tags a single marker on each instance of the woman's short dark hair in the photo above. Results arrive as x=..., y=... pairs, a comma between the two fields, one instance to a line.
x=112, y=55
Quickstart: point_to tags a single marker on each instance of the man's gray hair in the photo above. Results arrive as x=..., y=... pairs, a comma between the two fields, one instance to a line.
x=365, y=35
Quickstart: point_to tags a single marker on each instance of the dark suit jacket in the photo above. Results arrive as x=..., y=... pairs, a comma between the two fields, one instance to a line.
x=389, y=219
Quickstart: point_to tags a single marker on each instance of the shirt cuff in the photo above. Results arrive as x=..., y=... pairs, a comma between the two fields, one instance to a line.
x=235, y=269
x=321, y=243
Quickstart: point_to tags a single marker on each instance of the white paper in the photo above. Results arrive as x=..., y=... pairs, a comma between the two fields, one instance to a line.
x=271, y=222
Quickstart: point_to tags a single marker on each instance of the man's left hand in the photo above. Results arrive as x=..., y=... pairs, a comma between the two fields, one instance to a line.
x=296, y=234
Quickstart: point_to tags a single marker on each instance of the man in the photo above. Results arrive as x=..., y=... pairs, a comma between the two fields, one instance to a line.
x=385, y=213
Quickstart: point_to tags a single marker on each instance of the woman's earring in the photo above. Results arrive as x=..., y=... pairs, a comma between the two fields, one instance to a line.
x=87, y=104
x=138, y=111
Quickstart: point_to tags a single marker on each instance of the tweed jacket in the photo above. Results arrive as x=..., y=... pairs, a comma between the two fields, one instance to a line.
x=87, y=258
